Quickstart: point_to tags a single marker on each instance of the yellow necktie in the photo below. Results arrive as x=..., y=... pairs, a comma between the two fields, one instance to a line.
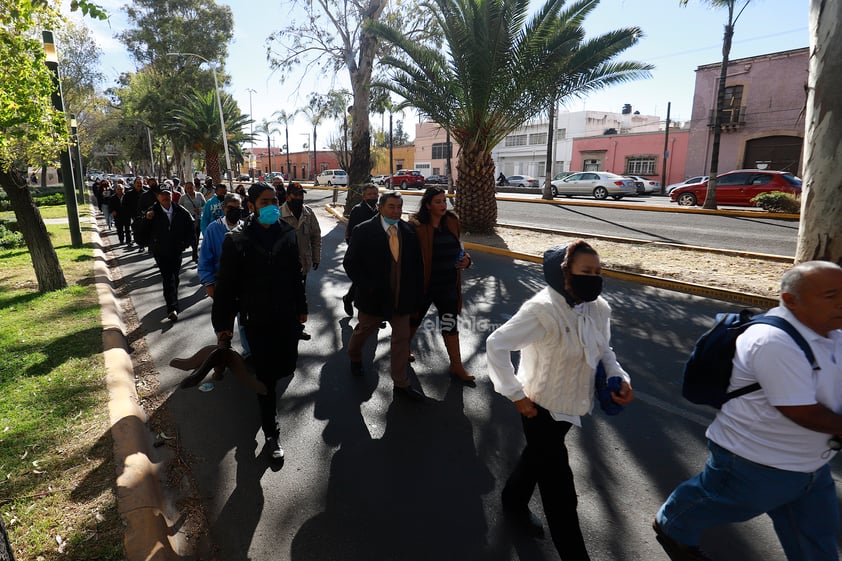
x=394, y=245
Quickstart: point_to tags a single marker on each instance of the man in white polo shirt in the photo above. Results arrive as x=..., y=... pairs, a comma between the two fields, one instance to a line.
x=769, y=449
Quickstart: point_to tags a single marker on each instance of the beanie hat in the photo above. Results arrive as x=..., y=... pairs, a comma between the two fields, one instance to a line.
x=553, y=274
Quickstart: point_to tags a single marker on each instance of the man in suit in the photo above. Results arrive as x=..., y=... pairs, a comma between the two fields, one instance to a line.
x=384, y=263
x=365, y=210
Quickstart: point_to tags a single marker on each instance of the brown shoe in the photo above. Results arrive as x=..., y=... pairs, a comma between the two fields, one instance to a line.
x=678, y=551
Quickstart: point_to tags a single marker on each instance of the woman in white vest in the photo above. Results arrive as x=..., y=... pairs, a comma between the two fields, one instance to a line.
x=563, y=332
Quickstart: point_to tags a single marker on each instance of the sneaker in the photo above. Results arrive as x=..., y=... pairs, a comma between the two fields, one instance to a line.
x=304, y=336
x=678, y=551
x=274, y=447
x=173, y=316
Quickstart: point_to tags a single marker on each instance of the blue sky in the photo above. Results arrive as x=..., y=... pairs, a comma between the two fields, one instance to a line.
x=676, y=40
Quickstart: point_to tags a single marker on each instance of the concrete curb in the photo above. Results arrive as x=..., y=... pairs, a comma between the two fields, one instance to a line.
x=140, y=499
x=741, y=298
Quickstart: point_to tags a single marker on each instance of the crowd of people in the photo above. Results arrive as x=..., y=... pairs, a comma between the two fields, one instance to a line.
x=769, y=449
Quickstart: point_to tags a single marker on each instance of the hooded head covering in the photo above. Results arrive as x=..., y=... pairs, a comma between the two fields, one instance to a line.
x=553, y=274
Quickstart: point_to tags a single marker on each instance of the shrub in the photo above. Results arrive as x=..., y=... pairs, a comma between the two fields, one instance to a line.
x=10, y=239
x=49, y=200
x=777, y=201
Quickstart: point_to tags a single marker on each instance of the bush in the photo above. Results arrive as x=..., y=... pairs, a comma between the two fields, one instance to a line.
x=10, y=239
x=777, y=201
x=49, y=200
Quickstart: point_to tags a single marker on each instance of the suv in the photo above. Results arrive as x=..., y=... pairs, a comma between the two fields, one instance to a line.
x=408, y=179
x=738, y=187
x=331, y=177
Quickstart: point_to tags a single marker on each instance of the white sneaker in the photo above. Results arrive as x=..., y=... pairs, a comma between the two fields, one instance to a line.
x=275, y=449
x=173, y=316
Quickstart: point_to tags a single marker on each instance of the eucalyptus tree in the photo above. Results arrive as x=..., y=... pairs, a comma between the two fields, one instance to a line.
x=197, y=123
x=713, y=169
x=497, y=68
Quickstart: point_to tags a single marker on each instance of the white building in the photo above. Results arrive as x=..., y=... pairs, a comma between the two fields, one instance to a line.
x=524, y=152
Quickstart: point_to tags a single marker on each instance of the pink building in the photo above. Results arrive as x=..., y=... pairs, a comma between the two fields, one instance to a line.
x=762, y=117
x=431, y=150
x=633, y=154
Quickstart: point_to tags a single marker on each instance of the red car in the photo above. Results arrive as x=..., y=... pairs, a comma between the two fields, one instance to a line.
x=738, y=187
x=408, y=179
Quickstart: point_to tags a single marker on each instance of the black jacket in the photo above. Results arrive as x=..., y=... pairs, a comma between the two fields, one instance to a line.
x=131, y=202
x=260, y=277
x=359, y=214
x=116, y=204
x=168, y=238
x=368, y=262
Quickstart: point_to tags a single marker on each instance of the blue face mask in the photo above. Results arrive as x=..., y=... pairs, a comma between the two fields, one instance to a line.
x=269, y=214
x=391, y=221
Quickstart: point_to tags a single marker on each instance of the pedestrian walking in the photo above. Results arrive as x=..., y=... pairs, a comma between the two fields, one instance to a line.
x=121, y=216
x=194, y=203
x=362, y=211
x=307, y=231
x=769, y=449
x=107, y=193
x=131, y=207
x=563, y=333
x=213, y=207
x=169, y=229
x=384, y=263
x=444, y=260
x=260, y=277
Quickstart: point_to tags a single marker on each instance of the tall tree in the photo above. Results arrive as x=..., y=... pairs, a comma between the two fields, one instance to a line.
x=730, y=5
x=283, y=118
x=315, y=111
x=498, y=68
x=820, y=232
x=269, y=129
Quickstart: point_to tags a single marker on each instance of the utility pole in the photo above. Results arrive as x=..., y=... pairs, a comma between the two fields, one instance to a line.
x=666, y=152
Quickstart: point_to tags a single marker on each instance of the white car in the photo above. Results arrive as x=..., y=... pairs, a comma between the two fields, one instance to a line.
x=695, y=179
x=521, y=181
x=598, y=184
x=379, y=179
x=331, y=177
x=645, y=186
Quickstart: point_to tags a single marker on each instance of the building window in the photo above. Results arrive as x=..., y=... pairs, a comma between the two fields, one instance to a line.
x=516, y=140
x=731, y=105
x=640, y=165
x=560, y=134
x=442, y=150
x=591, y=165
x=425, y=167
x=538, y=138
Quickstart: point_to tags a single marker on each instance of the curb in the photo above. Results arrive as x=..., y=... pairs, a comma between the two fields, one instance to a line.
x=742, y=298
x=140, y=499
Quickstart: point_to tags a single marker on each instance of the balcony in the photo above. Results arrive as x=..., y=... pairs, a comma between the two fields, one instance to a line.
x=730, y=119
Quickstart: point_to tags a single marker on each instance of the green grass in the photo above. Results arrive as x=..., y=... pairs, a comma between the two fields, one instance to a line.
x=56, y=469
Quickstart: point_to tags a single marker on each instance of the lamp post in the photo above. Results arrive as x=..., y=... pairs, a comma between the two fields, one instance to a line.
x=66, y=164
x=306, y=148
x=74, y=136
x=251, y=130
x=221, y=117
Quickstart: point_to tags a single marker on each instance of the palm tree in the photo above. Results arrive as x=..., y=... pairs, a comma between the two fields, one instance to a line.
x=710, y=195
x=268, y=128
x=283, y=118
x=315, y=111
x=197, y=123
x=496, y=70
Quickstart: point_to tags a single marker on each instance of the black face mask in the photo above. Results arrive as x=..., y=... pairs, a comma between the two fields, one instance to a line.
x=233, y=215
x=586, y=287
x=295, y=205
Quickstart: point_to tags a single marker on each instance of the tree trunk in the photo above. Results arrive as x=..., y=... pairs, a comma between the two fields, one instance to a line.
x=820, y=231
x=710, y=195
x=547, y=193
x=476, y=204
x=48, y=272
x=212, y=163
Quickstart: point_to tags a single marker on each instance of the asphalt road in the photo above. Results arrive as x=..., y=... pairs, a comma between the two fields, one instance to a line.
x=368, y=478
x=754, y=234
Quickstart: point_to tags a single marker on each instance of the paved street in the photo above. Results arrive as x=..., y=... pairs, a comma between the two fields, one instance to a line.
x=367, y=478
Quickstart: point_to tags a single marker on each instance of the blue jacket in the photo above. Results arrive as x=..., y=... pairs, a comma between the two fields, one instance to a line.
x=211, y=251
x=213, y=210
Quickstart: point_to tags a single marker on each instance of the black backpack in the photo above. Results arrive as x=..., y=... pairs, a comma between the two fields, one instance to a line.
x=708, y=370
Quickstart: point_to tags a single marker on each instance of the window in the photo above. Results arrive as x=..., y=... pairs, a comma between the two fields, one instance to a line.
x=516, y=140
x=424, y=168
x=538, y=138
x=560, y=134
x=441, y=150
x=731, y=104
x=640, y=165
x=591, y=165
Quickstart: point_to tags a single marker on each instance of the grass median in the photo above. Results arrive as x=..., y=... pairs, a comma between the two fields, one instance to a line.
x=56, y=468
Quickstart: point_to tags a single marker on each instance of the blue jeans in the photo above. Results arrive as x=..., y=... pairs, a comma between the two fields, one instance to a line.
x=802, y=506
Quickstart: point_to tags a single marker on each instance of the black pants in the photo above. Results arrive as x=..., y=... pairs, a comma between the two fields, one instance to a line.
x=195, y=243
x=124, y=228
x=170, y=268
x=544, y=462
x=274, y=352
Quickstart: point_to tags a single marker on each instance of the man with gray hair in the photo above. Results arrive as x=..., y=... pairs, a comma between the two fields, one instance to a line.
x=769, y=449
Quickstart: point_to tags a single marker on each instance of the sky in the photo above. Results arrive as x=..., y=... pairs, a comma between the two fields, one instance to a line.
x=676, y=40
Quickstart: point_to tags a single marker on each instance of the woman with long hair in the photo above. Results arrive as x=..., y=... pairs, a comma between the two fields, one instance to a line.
x=444, y=259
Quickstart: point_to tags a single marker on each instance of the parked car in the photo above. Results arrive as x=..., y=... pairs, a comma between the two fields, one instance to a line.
x=522, y=181
x=738, y=187
x=379, y=179
x=331, y=177
x=244, y=177
x=688, y=181
x=408, y=179
x=599, y=184
x=435, y=180
x=645, y=186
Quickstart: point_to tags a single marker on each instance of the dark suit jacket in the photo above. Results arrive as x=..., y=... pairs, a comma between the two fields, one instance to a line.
x=359, y=214
x=368, y=263
x=169, y=238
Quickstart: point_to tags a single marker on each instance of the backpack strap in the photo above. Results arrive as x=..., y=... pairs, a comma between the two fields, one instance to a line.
x=783, y=325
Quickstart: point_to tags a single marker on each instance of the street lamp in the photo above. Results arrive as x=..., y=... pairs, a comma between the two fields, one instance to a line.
x=74, y=136
x=306, y=148
x=221, y=117
x=251, y=131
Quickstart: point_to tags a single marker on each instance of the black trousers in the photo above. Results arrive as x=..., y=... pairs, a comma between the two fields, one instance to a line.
x=274, y=352
x=124, y=228
x=544, y=462
x=195, y=243
x=170, y=268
